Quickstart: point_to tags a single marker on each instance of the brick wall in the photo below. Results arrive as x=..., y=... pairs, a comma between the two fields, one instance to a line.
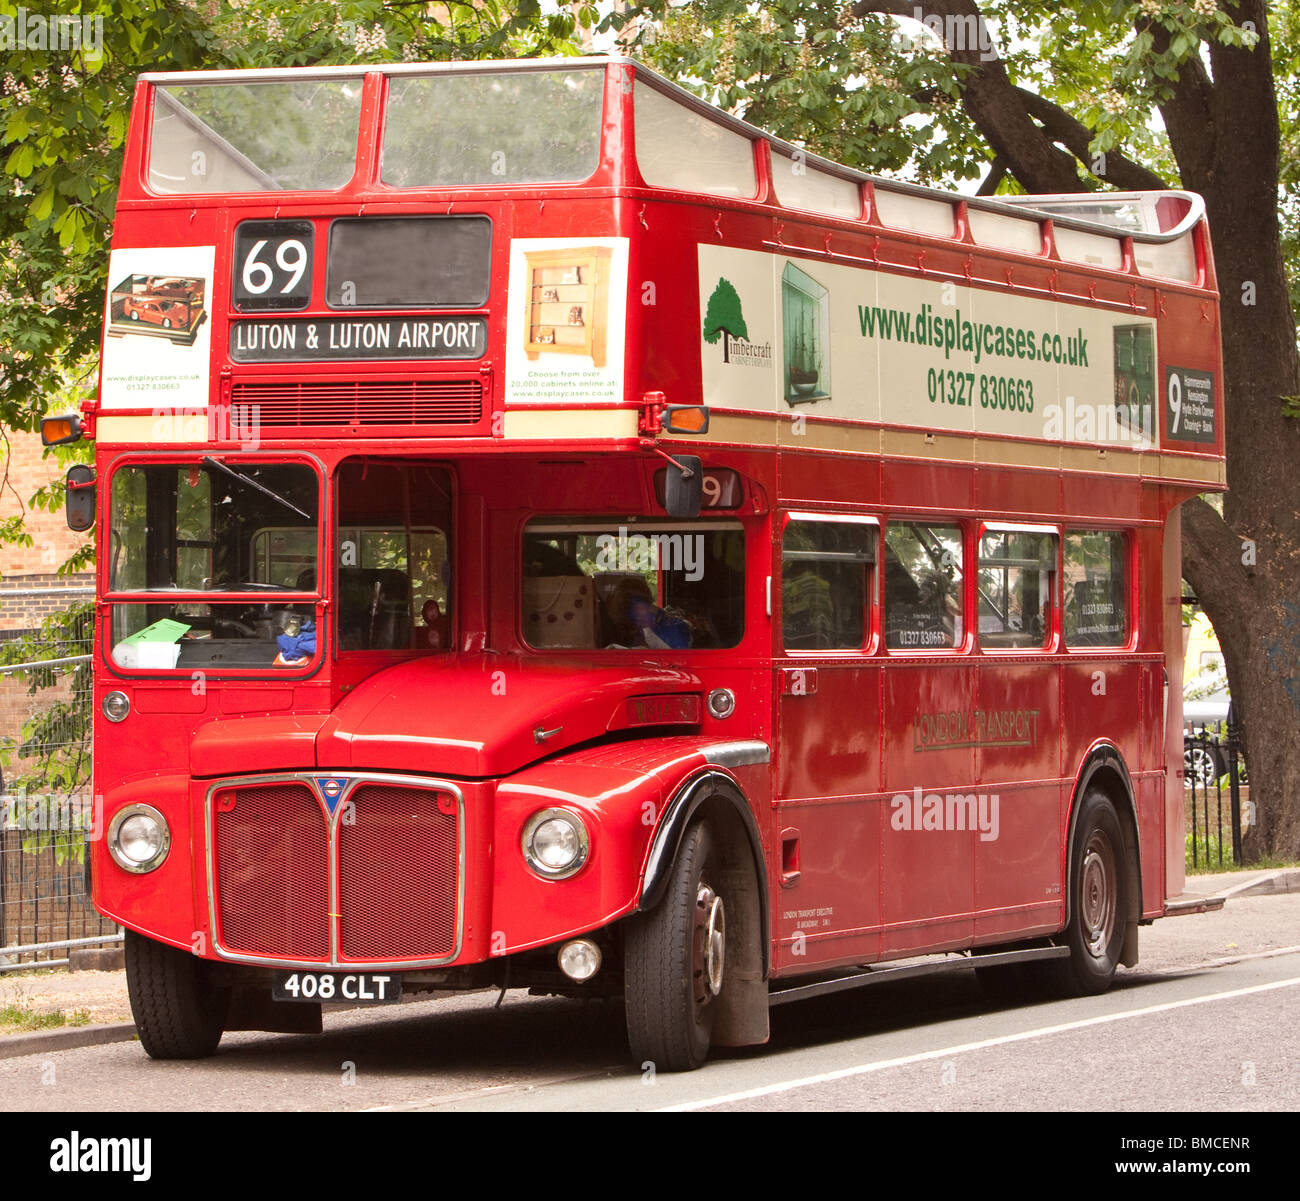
x=30, y=586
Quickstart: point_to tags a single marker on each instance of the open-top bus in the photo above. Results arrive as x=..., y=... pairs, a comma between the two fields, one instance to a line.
x=596, y=546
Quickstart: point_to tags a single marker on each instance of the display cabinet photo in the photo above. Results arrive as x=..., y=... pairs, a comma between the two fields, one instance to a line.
x=568, y=300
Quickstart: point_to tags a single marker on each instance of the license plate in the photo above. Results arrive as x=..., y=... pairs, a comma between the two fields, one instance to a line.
x=357, y=988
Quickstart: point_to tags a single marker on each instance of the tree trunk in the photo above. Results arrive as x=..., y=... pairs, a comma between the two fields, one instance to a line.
x=1245, y=567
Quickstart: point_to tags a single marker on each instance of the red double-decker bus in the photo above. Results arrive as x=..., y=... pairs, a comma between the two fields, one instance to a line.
x=564, y=537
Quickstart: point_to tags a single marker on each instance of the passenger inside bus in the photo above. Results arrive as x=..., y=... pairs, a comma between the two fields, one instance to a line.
x=633, y=619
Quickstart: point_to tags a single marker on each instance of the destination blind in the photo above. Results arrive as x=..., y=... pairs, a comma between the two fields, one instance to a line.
x=306, y=340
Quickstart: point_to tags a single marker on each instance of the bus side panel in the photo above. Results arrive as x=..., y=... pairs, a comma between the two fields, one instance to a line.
x=1018, y=846
x=1150, y=789
x=830, y=756
x=927, y=873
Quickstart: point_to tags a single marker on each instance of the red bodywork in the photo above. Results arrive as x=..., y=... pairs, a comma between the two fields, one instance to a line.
x=457, y=728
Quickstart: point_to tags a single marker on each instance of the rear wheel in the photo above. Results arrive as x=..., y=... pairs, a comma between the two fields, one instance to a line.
x=1098, y=901
x=178, y=1012
x=675, y=962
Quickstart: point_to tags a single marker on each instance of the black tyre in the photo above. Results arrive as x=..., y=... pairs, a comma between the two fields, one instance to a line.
x=178, y=1013
x=1098, y=901
x=675, y=962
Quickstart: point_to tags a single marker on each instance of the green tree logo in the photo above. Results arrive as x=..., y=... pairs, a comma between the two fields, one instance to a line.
x=724, y=319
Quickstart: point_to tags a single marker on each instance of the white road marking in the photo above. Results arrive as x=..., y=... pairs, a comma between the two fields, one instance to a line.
x=486, y=1091
x=882, y=1065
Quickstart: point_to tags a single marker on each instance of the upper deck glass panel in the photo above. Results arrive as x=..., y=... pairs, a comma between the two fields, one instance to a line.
x=456, y=130
x=255, y=137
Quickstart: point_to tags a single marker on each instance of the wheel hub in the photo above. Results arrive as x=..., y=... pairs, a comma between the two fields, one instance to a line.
x=709, y=944
x=1097, y=895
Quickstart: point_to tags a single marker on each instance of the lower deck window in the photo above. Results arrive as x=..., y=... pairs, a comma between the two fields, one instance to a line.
x=633, y=585
x=923, y=586
x=1017, y=577
x=1095, y=601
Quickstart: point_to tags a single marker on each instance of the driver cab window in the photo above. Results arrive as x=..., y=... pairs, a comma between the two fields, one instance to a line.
x=393, y=556
x=182, y=536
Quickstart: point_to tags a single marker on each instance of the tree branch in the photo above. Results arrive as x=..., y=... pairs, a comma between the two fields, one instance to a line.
x=997, y=173
x=1187, y=114
x=1121, y=171
x=989, y=97
x=1209, y=545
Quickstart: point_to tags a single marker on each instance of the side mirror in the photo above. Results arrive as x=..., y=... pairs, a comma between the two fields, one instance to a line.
x=80, y=504
x=684, y=487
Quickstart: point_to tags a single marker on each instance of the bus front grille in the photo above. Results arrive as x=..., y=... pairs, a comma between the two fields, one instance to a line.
x=273, y=872
x=388, y=853
x=397, y=875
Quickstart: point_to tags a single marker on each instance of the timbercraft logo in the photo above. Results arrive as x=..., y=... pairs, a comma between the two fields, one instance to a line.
x=725, y=320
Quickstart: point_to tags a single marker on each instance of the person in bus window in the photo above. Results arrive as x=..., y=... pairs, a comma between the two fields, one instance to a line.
x=638, y=621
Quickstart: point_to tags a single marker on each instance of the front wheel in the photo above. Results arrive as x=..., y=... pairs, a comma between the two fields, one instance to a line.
x=675, y=962
x=178, y=1013
x=1098, y=900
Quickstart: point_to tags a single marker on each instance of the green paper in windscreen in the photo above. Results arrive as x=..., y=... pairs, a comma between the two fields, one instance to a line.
x=165, y=630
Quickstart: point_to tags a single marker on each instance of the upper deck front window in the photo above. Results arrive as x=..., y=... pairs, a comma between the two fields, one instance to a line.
x=254, y=137
x=454, y=129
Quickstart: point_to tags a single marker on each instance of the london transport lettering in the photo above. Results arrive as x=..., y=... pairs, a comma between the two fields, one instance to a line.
x=978, y=727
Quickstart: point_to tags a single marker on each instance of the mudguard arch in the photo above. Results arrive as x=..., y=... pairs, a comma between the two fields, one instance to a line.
x=672, y=828
x=1103, y=755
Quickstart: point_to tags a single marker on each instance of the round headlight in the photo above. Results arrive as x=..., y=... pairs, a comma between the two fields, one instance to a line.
x=138, y=838
x=579, y=959
x=555, y=843
x=116, y=706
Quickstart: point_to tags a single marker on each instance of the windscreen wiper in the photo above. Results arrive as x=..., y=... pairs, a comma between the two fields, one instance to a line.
x=243, y=479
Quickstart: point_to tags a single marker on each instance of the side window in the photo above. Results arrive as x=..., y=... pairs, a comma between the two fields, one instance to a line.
x=394, y=556
x=1017, y=575
x=1095, y=601
x=825, y=572
x=599, y=583
x=923, y=586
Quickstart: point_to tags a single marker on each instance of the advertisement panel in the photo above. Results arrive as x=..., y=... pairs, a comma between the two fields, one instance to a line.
x=784, y=335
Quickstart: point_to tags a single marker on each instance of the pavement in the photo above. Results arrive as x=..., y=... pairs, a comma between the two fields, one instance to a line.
x=97, y=1002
